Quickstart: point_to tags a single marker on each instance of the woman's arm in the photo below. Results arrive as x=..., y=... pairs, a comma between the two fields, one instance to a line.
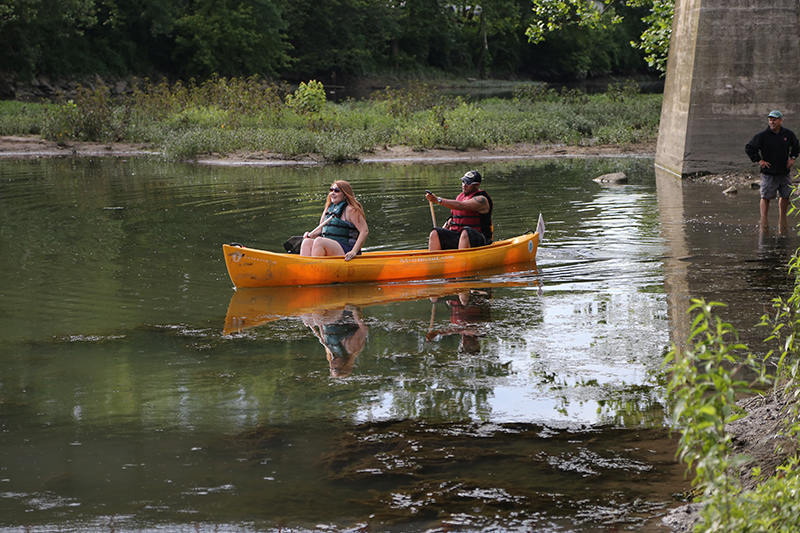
x=360, y=223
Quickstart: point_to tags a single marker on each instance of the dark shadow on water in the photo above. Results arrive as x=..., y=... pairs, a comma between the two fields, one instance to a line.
x=409, y=475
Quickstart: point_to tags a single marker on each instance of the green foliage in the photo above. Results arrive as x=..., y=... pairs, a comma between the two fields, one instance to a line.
x=91, y=116
x=21, y=118
x=535, y=93
x=772, y=507
x=308, y=99
x=302, y=39
x=654, y=41
x=243, y=97
x=413, y=98
x=42, y=35
x=228, y=115
x=552, y=17
x=232, y=37
x=784, y=324
x=340, y=37
x=705, y=389
x=619, y=93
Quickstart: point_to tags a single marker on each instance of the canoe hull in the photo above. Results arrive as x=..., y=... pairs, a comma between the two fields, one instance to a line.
x=250, y=267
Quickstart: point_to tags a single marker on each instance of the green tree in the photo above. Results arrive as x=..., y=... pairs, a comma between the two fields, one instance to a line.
x=338, y=37
x=552, y=16
x=493, y=21
x=427, y=35
x=38, y=36
x=230, y=38
x=135, y=36
x=654, y=41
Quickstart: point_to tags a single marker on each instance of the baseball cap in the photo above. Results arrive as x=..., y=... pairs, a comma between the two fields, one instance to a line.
x=775, y=114
x=473, y=176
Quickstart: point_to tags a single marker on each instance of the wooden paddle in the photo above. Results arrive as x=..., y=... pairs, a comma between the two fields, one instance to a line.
x=433, y=215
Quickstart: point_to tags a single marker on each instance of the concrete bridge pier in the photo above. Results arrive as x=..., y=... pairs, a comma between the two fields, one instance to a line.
x=730, y=63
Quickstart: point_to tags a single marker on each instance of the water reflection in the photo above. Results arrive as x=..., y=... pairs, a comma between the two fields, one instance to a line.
x=470, y=312
x=249, y=308
x=343, y=333
x=718, y=251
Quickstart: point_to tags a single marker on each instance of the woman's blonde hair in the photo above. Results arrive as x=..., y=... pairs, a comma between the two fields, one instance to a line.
x=348, y=194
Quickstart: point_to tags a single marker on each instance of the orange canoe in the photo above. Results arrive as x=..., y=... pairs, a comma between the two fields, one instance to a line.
x=249, y=267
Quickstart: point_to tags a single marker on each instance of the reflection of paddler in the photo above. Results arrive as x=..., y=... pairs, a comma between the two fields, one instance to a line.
x=343, y=333
x=466, y=311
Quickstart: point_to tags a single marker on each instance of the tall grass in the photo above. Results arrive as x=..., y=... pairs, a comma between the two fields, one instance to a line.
x=21, y=118
x=249, y=115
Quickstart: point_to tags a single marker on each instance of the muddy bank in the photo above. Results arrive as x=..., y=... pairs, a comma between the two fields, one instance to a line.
x=31, y=147
x=757, y=436
x=27, y=147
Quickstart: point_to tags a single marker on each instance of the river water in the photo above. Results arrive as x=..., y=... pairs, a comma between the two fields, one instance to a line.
x=140, y=392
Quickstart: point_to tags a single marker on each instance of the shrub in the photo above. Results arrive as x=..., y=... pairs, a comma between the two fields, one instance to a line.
x=308, y=99
x=88, y=117
x=250, y=113
x=619, y=93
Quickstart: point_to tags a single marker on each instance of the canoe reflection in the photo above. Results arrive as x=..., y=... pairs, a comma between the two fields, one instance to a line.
x=343, y=333
x=249, y=308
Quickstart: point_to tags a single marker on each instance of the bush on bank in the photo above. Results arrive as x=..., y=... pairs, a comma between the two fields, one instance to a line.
x=246, y=114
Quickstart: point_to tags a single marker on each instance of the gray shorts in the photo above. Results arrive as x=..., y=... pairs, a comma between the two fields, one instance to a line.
x=772, y=186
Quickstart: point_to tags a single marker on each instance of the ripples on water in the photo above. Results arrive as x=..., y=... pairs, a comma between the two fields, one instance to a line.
x=126, y=405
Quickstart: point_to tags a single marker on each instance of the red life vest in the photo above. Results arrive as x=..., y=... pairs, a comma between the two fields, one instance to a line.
x=473, y=219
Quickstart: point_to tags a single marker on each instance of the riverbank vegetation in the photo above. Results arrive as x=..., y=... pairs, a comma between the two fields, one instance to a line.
x=249, y=115
x=746, y=479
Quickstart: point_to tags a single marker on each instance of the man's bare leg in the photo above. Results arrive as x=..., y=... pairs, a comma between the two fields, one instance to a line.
x=764, y=212
x=463, y=240
x=783, y=209
x=433, y=241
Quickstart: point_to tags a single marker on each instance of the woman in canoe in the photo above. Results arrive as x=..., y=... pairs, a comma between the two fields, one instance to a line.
x=344, y=226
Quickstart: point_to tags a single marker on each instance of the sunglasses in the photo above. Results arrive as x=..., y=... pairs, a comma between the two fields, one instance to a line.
x=336, y=189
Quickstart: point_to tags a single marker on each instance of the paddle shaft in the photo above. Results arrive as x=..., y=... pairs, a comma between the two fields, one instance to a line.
x=433, y=215
x=320, y=226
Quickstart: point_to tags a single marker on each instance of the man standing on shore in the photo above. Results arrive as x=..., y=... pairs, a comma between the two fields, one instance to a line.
x=775, y=150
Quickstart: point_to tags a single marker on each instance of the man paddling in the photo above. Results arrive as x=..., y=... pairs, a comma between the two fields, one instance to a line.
x=470, y=222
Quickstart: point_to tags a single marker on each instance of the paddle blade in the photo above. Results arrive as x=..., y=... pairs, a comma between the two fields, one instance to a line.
x=292, y=246
x=540, y=228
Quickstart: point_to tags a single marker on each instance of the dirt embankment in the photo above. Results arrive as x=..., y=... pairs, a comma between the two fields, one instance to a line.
x=20, y=147
x=30, y=147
